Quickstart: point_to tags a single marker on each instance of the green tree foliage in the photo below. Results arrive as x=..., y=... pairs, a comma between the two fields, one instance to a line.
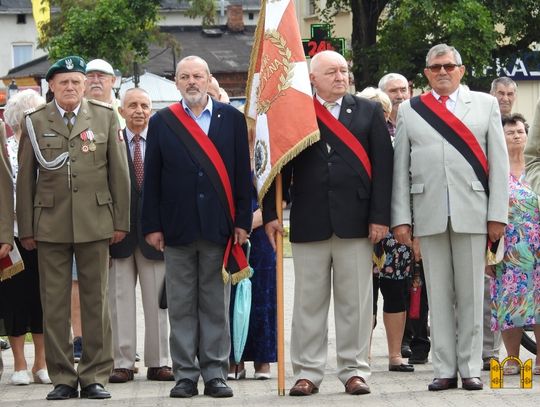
x=203, y=8
x=395, y=35
x=118, y=31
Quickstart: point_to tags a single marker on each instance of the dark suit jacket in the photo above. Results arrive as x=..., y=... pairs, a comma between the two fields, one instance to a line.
x=327, y=195
x=135, y=237
x=178, y=198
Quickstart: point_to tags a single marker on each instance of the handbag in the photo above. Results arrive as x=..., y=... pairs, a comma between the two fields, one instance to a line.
x=495, y=251
x=415, y=292
x=11, y=264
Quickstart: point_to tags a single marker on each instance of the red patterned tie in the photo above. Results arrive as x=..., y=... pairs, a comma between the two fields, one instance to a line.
x=442, y=101
x=138, y=161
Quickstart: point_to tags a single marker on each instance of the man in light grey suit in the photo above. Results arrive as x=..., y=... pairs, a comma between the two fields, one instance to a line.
x=445, y=142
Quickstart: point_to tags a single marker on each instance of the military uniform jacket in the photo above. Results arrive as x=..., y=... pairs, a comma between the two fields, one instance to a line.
x=90, y=203
x=6, y=194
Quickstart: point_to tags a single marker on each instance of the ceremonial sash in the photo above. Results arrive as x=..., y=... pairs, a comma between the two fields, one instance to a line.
x=11, y=264
x=455, y=132
x=205, y=153
x=354, y=154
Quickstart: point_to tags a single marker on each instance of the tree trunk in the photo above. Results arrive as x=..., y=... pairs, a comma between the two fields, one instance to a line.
x=365, y=15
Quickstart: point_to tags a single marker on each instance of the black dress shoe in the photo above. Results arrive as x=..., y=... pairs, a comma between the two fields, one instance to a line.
x=95, y=391
x=406, y=351
x=184, y=388
x=472, y=383
x=63, y=392
x=217, y=388
x=443, y=384
x=403, y=367
x=418, y=359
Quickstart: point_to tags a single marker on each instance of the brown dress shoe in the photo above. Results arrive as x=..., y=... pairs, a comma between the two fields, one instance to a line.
x=303, y=387
x=160, y=374
x=356, y=385
x=472, y=383
x=443, y=384
x=121, y=376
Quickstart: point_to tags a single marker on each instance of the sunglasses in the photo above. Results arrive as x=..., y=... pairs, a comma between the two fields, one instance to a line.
x=437, y=67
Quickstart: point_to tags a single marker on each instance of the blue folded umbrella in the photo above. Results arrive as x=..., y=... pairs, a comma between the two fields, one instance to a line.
x=241, y=313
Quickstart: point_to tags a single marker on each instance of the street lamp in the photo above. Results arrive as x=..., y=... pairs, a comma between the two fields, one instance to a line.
x=12, y=89
x=117, y=82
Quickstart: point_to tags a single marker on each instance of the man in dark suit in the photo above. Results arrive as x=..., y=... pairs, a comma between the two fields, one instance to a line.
x=340, y=207
x=133, y=257
x=186, y=215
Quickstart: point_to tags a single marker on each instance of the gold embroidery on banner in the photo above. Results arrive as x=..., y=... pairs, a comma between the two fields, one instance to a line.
x=283, y=66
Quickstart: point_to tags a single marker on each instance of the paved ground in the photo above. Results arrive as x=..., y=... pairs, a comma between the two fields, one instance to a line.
x=388, y=388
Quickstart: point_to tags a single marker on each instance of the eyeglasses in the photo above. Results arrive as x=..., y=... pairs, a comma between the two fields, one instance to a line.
x=437, y=67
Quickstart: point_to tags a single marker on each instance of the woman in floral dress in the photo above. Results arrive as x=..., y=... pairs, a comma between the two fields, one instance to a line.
x=515, y=288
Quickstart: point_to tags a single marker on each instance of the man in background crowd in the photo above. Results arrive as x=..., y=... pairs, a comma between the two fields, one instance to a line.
x=132, y=258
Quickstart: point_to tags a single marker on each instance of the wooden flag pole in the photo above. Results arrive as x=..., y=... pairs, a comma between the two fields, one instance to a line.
x=279, y=290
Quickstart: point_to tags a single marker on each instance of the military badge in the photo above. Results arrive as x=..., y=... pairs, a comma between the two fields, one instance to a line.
x=261, y=157
x=120, y=136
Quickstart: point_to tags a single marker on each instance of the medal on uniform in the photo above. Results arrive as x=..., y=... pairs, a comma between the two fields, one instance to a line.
x=91, y=137
x=86, y=137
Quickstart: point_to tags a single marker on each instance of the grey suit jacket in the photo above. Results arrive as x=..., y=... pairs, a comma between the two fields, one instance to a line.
x=439, y=179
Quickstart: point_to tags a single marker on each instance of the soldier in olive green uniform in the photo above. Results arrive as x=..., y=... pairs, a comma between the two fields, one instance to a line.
x=6, y=200
x=6, y=208
x=73, y=198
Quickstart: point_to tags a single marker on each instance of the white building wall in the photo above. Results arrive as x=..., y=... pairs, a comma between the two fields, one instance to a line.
x=13, y=33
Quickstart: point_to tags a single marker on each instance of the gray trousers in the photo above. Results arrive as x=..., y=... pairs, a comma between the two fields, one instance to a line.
x=122, y=304
x=341, y=266
x=454, y=270
x=198, y=303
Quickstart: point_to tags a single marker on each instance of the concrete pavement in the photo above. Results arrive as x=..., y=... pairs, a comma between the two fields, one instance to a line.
x=388, y=388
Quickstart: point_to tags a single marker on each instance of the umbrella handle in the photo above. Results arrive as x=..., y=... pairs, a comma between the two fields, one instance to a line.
x=248, y=249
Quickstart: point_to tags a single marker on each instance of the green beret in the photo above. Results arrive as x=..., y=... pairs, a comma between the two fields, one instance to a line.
x=67, y=64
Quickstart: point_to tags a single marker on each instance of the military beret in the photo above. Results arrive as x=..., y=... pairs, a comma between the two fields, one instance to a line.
x=68, y=64
x=99, y=65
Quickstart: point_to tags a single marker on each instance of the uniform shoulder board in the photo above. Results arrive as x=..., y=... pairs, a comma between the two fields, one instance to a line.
x=34, y=109
x=100, y=103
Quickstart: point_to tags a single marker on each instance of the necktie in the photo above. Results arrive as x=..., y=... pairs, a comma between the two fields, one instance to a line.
x=443, y=99
x=138, y=161
x=69, y=116
x=329, y=106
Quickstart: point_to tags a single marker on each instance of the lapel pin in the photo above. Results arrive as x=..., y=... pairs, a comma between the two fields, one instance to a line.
x=219, y=115
x=349, y=111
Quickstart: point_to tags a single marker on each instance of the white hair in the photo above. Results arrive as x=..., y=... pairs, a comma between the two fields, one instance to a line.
x=18, y=104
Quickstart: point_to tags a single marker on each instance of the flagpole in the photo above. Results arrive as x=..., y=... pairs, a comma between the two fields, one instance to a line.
x=279, y=290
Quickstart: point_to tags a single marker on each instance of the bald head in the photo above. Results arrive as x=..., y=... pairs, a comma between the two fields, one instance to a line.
x=213, y=89
x=329, y=75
